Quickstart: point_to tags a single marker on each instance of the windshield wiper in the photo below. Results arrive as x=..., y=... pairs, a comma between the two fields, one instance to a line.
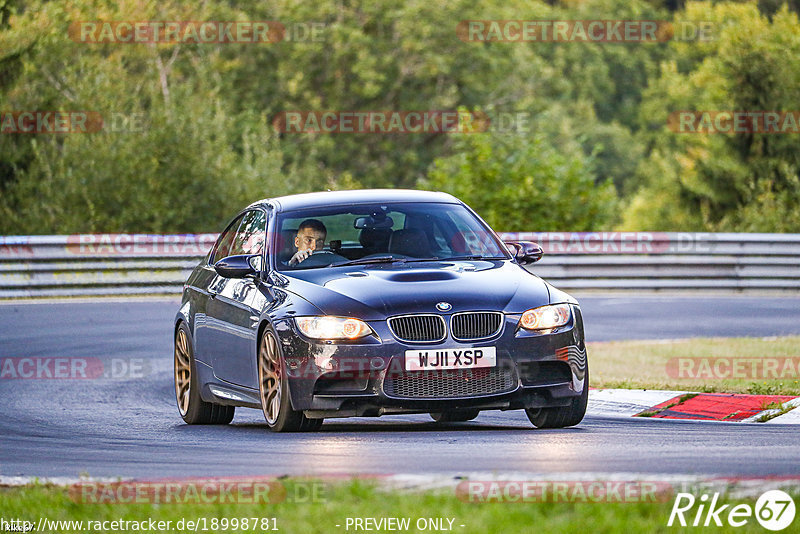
x=474, y=257
x=365, y=261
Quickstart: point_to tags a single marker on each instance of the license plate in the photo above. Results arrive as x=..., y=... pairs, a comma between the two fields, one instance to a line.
x=435, y=359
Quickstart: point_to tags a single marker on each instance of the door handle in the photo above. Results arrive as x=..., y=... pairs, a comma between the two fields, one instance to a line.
x=213, y=287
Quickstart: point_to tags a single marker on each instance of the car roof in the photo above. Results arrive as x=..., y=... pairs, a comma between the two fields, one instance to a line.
x=358, y=196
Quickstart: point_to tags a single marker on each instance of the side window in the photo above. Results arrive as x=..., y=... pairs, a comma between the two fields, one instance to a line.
x=250, y=236
x=224, y=242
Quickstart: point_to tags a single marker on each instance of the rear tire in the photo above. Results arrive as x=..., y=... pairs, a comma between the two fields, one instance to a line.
x=193, y=409
x=454, y=416
x=273, y=388
x=562, y=416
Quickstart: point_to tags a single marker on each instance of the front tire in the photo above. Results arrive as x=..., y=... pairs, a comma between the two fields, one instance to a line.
x=193, y=409
x=562, y=416
x=273, y=388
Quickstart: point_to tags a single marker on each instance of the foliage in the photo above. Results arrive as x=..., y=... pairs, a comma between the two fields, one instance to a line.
x=518, y=183
x=204, y=143
x=724, y=182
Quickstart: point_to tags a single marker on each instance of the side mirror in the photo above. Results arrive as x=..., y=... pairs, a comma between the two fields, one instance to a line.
x=239, y=266
x=525, y=252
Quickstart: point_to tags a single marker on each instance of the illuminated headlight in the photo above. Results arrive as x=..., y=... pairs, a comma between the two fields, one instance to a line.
x=332, y=327
x=546, y=317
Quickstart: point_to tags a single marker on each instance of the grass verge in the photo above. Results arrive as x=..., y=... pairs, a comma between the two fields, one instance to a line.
x=653, y=365
x=354, y=499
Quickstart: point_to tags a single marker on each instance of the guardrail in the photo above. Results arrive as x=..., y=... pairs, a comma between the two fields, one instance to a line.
x=124, y=264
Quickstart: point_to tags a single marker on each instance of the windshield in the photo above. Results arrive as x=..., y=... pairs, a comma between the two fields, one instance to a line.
x=381, y=233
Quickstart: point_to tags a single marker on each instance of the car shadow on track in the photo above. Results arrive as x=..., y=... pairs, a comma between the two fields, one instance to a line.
x=405, y=427
x=247, y=423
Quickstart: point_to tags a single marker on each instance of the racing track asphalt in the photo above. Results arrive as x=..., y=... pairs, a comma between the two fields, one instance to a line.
x=130, y=426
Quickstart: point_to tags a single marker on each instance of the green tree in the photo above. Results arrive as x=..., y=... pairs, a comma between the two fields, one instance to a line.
x=739, y=182
x=185, y=163
x=518, y=183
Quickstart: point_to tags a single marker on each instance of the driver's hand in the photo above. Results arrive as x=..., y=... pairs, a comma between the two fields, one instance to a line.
x=299, y=256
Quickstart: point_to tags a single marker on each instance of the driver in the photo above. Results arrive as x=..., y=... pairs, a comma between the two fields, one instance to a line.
x=310, y=237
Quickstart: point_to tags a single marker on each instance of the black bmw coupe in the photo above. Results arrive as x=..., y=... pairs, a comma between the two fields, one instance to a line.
x=374, y=302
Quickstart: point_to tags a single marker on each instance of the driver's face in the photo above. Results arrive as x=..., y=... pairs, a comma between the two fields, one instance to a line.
x=309, y=239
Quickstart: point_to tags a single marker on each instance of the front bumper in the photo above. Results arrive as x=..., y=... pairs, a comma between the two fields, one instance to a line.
x=534, y=370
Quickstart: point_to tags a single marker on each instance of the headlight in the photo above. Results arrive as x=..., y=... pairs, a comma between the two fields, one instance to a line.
x=546, y=317
x=332, y=327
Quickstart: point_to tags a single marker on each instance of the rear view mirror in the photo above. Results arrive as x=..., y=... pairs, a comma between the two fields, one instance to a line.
x=373, y=222
x=525, y=252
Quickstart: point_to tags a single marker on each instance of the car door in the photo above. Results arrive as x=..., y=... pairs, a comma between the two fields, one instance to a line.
x=211, y=284
x=235, y=309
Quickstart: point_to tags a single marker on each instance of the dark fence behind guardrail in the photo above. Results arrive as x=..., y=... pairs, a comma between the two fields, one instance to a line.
x=140, y=264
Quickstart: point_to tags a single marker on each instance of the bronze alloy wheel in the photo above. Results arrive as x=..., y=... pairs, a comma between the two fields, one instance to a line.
x=274, y=391
x=183, y=372
x=193, y=409
x=269, y=378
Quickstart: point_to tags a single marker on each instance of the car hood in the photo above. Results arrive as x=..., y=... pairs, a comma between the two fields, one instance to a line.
x=374, y=292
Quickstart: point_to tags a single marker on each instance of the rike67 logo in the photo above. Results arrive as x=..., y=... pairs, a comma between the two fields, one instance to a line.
x=774, y=510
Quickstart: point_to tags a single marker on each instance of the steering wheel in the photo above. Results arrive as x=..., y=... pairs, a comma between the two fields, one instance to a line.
x=321, y=258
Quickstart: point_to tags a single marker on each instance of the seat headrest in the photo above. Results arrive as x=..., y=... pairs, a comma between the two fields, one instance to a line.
x=375, y=238
x=410, y=242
